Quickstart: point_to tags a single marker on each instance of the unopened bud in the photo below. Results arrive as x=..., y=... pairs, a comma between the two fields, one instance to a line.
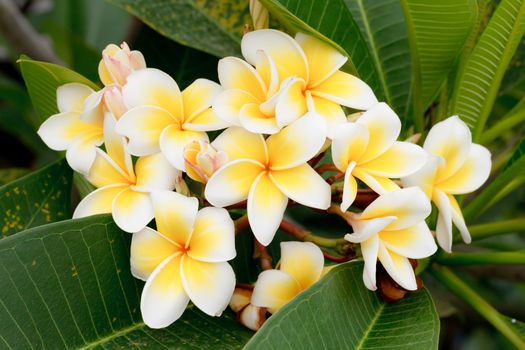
x=118, y=63
x=240, y=299
x=202, y=160
x=252, y=317
x=414, y=138
x=259, y=13
x=354, y=116
x=114, y=102
x=181, y=186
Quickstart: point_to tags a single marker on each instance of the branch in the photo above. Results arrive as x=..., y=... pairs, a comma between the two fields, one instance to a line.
x=22, y=36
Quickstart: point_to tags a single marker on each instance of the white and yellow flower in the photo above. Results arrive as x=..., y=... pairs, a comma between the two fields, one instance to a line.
x=456, y=166
x=202, y=160
x=185, y=259
x=161, y=118
x=392, y=229
x=268, y=172
x=78, y=127
x=122, y=190
x=118, y=63
x=367, y=149
x=308, y=70
x=301, y=265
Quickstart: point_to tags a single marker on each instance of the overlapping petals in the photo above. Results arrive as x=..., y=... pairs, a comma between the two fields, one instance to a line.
x=268, y=172
x=186, y=259
x=367, y=149
x=301, y=266
x=456, y=166
x=162, y=118
x=392, y=229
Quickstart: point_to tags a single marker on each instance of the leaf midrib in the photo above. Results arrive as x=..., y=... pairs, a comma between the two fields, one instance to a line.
x=370, y=327
x=112, y=336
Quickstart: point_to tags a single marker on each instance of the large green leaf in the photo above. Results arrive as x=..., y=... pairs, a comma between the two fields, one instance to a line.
x=36, y=199
x=437, y=31
x=332, y=22
x=340, y=313
x=518, y=154
x=42, y=80
x=383, y=26
x=68, y=285
x=480, y=78
x=215, y=27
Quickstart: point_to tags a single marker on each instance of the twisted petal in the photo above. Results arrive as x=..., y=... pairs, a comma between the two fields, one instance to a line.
x=267, y=69
x=383, y=127
x=303, y=261
x=175, y=215
x=273, y=289
x=471, y=175
x=457, y=219
x=266, y=206
x=231, y=183
x=346, y=90
x=152, y=87
x=149, y=250
x=238, y=143
x=369, y=249
x=105, y=171
x=444, y=222
x=291, y=103
x=213, y=238
x=398, y=267
x=451, y=140
x=227, y=106
x=115, y=145
x=253, y=120
x=163, y=298
x=349, y=188
x=155, y=173
x=71, y=96
x=132, y=210
x=303, y=185
x=173, y=140
x=378, y=184
x=82, y=152
x=331, y=112
x=143, y=127
x=409, y=205
x=349, y=144
x=288, y=56
x=415, y=242
x=209, y=285
x=98, y=201
x=364, y=229
x=297, y=143
x=323, y=60
x=234, y=73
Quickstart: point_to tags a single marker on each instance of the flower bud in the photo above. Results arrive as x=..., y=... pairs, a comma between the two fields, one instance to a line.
x=181, y=186
x=118, y=63
x=252, y=317
x=202, y=160
x=259, y=15
x=240, y=298
x=114, y=102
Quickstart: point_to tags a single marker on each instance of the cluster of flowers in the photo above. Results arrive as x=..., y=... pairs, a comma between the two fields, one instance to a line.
x=281, y=107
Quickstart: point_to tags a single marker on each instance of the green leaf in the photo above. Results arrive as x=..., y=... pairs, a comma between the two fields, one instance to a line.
x=207, y=25
x=518, y=154
x=384, y=30
x=331, y=22
x=437, y=31
x=340, y=313
x=36, y=199
x=511, y=119
x=42, y=80
x=68, y=285
x=480, y=78
x=11, y=174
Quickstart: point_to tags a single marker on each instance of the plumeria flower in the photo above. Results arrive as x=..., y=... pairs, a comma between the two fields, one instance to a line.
x=161, y=118
x=301, y=266
x=456, y=166
x=393, y=229
x=118, y=63
x=310, y=76
x=367, y=149
x=78, y=127
x=268, y=172
x=185, y=259
x=122, y=190
x=202, y=160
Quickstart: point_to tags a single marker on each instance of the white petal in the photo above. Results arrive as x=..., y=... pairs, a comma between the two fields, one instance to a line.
x=99, y=201
x=239, y=143
x=71, y=96
x=415, y=242
x=457, y=219
x=227, y=105
x=332, y=114
x=60, y=130
x=349, y=144
x=234, y=73
x=273, y=289
x=401, y=159
x=253, y=120
x=378, y=184
x=266, y=206
x=291, y=102
x=210, y=286
x=155, y=173
x=365, y=229
x=444, y=221
x=132, y=210
x=349, y=188
x=425, y=177
x=304, y=261
x=369, y=250
x=173, y=141
x=398, y=267
x=82, y=152
x=198, y=97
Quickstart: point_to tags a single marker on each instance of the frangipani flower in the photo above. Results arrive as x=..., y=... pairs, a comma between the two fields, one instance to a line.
x=392, y=229
x=310, y=76
x=268, y=172
x=367, y=149
x=122, y=190
x=202, y=160
x=301, y=266
x=185, y=259
x=78, y=127
x=161, y=118
x=118, y=63
x=457, y=166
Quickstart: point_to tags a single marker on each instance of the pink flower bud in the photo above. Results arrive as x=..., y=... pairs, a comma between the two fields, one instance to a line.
x=202, y=160
x=113, y=101
x=118, y=63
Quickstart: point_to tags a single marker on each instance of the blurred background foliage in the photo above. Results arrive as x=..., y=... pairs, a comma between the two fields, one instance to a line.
x=78, y=30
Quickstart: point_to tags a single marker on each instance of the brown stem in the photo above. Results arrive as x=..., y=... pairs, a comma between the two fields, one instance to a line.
x=335, y=177
x=326, y=167
x=315, y=160
x=240, y=205
x=244, y=286
x=241, y=223
x=264, y=257
x=337, y=259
